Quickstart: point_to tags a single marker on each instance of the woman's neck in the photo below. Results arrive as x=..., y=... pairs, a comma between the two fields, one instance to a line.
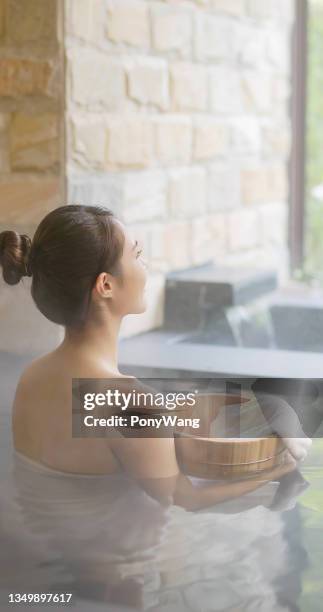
x=97, y=340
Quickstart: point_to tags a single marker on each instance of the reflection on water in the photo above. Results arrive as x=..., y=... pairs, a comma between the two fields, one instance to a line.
x=105, y=540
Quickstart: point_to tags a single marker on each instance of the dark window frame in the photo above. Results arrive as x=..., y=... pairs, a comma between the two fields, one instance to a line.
x=298, y=126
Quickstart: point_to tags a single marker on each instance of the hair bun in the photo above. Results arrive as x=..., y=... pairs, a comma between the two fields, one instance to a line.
x=14, y=256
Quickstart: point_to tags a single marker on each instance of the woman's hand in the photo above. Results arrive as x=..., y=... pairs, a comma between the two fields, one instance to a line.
x=298, y=447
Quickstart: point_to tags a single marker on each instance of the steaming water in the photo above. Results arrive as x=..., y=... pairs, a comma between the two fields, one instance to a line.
x=109, y=544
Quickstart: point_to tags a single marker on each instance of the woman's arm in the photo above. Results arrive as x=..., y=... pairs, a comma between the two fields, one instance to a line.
x=197, y=498
x=152, y=462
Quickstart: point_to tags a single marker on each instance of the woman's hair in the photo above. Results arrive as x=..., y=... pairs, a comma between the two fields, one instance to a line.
x=70, y=248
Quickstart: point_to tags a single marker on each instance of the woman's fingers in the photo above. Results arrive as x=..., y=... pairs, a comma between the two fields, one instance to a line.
x=298, y=447
x=289, y=459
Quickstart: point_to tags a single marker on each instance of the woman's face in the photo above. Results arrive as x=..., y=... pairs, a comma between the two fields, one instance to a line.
x=128, y=296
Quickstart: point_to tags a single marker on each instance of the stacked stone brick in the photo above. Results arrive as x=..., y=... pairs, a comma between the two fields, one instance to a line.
x=175, y=113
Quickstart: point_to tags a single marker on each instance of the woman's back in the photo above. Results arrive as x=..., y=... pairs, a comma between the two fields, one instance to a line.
x=42, y=415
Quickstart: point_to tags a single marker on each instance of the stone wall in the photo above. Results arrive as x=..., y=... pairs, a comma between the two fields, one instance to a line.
x=173, y=113
x=178, y=119
x=31, y=148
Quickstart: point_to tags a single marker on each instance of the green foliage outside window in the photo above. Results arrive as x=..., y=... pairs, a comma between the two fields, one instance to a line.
x=313, y=263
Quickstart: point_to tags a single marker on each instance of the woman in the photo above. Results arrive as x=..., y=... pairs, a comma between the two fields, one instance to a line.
x=88, y=272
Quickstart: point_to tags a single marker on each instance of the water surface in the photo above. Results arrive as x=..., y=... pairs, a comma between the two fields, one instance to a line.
x=114, y=548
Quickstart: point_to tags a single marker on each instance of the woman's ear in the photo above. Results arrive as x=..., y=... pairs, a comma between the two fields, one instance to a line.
x=104, y=285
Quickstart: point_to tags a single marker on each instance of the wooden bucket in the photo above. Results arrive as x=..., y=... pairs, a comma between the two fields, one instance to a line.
x=206, y=454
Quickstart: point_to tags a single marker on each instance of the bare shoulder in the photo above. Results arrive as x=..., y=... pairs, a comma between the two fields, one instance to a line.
x=30, y=377
x=56, y=367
